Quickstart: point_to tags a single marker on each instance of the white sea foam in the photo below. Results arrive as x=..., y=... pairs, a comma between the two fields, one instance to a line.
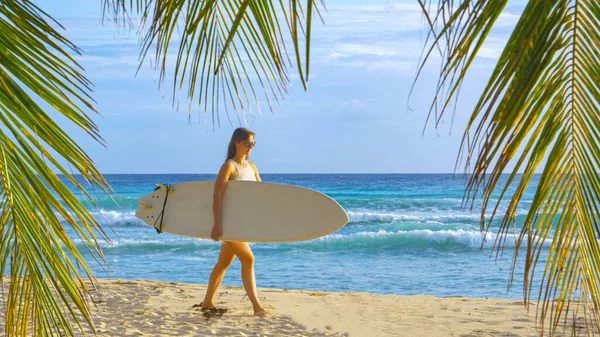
x=116, y=217
x=110, y=217
x=146, y=242
x=456, y=236
x=366, y=216
x=363, y=239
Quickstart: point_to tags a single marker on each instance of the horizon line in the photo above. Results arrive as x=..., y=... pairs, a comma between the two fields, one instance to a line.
x=330, y=173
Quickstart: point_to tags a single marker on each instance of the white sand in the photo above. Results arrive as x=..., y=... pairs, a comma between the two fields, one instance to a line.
x=146, y=308
x=151, y=308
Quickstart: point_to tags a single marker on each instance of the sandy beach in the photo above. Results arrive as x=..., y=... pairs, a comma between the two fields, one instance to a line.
x=153, y=308
x=150, y=308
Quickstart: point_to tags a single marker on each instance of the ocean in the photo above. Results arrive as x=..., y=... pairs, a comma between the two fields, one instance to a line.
x=408, y=234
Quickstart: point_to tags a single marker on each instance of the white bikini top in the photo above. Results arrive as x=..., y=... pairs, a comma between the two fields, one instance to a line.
x=244, y=173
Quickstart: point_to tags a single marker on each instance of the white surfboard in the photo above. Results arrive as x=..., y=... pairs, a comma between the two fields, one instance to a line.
x=252, y=211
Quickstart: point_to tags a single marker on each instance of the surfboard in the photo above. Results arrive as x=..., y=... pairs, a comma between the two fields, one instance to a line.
x=252, y=211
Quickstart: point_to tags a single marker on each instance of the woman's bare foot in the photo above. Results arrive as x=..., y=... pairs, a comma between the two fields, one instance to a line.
x=260, y=312
x=203, y=305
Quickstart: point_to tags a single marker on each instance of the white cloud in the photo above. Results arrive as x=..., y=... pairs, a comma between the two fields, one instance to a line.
x=507, y=19
x=113, y=60
x=384, y=38
x=387, y=38
x=491, y=53
x=354, y=104
x=492, y=48
x=366, y=49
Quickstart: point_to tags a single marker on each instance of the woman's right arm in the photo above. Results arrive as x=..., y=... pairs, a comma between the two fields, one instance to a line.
x=220, y=186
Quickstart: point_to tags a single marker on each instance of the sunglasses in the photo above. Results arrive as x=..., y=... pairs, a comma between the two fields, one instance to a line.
x=249, y=143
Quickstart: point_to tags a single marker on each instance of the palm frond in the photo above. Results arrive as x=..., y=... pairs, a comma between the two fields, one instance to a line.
x=230, y=53
x=46, y=292
x=539, y=110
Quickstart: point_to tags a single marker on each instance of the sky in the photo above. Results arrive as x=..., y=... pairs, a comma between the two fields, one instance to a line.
x=355, y=117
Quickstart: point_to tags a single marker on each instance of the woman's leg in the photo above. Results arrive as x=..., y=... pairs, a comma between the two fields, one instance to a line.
x=243, y=252
x=226, y=257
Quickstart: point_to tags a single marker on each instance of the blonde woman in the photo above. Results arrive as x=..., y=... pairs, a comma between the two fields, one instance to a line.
x=236, y=167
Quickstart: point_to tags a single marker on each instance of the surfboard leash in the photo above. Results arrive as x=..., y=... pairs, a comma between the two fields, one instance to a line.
x=161, y=215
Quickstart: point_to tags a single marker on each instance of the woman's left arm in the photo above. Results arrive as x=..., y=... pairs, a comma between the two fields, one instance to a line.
x=256, y=175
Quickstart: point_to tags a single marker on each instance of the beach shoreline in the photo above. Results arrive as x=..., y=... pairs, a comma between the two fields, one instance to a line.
x=158, y=308
x=155, y=308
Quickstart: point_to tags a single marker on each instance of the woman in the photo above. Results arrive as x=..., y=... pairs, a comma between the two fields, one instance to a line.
x=236, y=167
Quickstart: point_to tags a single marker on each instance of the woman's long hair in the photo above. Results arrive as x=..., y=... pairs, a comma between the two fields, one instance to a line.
x=240, y=134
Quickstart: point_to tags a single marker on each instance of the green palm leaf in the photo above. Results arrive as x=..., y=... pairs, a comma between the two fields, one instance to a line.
x=46, y=289
x=539, y=111
x=230, y=53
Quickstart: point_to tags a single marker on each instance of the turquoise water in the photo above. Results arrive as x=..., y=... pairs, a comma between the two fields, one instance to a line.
x=408, y=234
